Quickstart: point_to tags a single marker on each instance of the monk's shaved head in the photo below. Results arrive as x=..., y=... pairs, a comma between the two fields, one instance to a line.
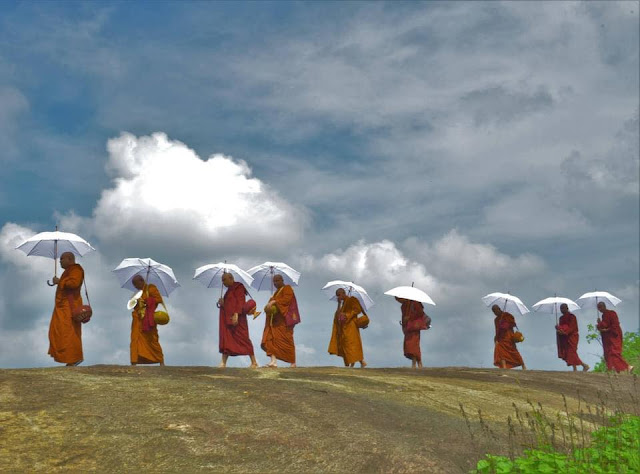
x=564, y=308
x=67, y=259
x=278, y=281
x=138, y=282
x=496, y=310
x=341, y=294
x=601, y=306
x=227, y=279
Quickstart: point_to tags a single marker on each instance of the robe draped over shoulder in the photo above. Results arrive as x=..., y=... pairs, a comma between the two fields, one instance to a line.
x=345, y=335
x=65, y=334
x=145, y=345
x=234, y=340
x=568, y=343
x=411, y=310
x=612, y=341
x=505, y=349
x=277, y=338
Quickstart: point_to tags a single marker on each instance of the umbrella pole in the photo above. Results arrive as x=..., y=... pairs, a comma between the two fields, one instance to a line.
x=55, y=260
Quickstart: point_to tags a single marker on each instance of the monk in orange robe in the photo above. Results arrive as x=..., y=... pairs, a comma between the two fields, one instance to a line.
x=345, y=335
x=505, y=353
x=567, y=338
x=611, y=333
x=145, y=346
x=234, y=330
x=65, y=333
x=277, y=338
x=411, y=311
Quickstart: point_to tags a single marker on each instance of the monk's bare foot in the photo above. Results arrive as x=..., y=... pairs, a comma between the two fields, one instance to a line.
x=75, y=363
x=524, y=367
x=363, y=364
x=256, y=314
x=630, y=369
x=293, y=365
x=133, y=363
x=222, y=365
x=253, y=366
x=161, y=364
x=585, y=367
x=419, y=365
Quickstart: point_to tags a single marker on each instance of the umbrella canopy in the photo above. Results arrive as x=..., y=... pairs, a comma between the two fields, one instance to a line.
x=211, y=275
x=263, y=275
x=552, y=304
x=592, y=299
x=410, y=293
x=153, y=273
x=506, y=301
x=54, y=244
x=352, y=290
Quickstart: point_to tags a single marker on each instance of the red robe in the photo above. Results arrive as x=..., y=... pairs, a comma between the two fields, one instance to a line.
x=411, y=310
x=505, y=349
x=234, y=340
x=65, y=334
x=568, y=343
x=612, y=341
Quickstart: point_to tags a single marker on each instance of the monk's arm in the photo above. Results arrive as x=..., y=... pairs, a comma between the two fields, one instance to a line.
x=354, y=310
x=73, y=279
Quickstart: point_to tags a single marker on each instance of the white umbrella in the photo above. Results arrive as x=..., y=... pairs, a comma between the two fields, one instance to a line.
x=211, y=275
x=591, y=300
x=153, y=273
x=352, y=290
x=410, y=293
x=551, y=305
x=54, y=244
x=506, y=301
x=263, y=275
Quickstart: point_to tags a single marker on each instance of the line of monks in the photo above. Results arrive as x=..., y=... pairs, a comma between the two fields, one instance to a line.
x=282, y=315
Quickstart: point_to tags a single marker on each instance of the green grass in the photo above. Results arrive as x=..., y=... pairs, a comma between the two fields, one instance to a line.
x=613, y=449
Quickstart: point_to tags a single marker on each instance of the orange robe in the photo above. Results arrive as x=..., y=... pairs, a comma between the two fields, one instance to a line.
x=65, y=334
x=345, y=335
x=145, y=347
x=505, y=349
x=277, y=338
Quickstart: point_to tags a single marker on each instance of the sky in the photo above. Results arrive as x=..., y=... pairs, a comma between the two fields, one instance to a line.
x=464, y=147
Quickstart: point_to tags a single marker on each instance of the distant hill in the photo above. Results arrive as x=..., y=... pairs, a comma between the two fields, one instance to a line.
x=319, y=419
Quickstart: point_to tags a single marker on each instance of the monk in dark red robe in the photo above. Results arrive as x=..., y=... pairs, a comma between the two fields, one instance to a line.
x=567, y=338
x=65, y=333
x=277, y=338
x=145, y=343
x=345, y=335
x=505, y=353
x=234, y=330
x=611, y=333
x=412, y=312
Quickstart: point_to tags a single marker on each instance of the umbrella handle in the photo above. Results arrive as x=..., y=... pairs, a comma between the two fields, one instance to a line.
x=50, y=284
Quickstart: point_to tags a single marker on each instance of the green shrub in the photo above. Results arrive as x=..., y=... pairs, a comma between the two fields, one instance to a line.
x=613, y=449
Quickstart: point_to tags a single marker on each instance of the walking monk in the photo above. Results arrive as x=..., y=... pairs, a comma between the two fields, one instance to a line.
x=234, y=331
x=145, y=346
x=277, y=338
x=413, y=321
x=567, y=338
x=345, y=335
x=611, y=333
x=65, y=333
x=505, y=352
